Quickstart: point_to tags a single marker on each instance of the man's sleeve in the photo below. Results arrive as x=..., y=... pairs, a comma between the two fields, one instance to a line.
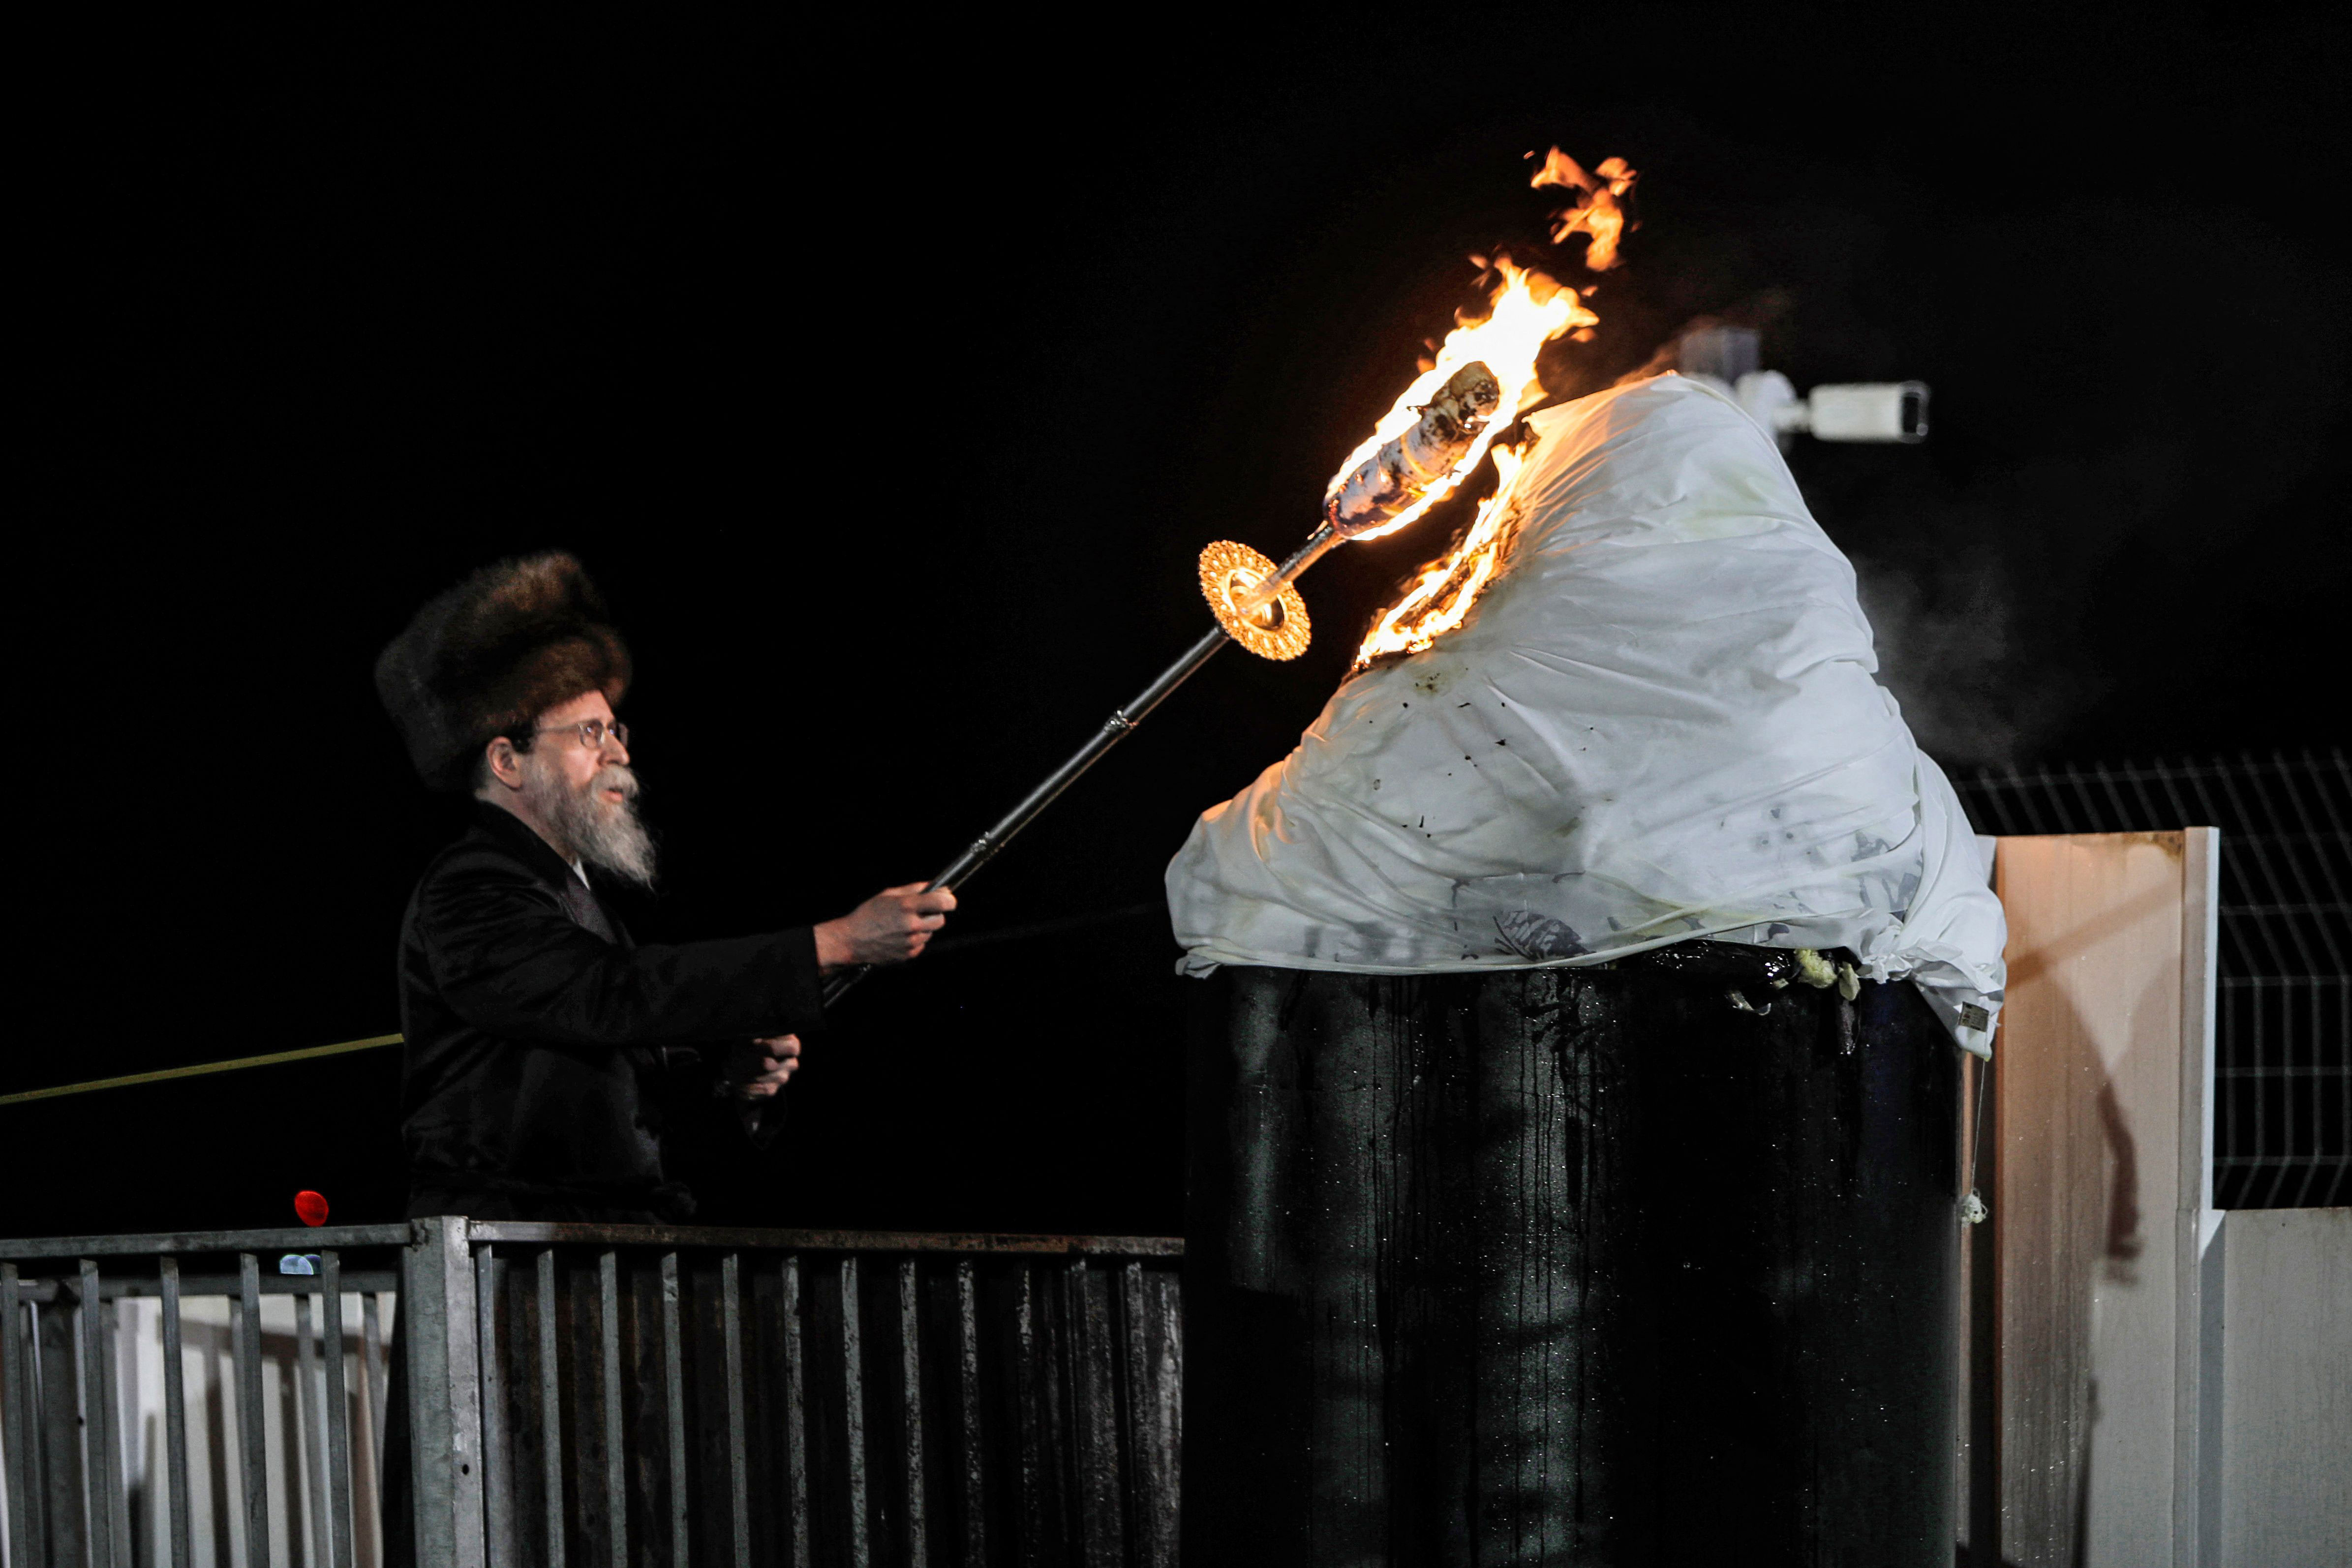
x=511, y=963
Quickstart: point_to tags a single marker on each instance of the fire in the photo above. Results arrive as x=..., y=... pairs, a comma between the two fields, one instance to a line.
x=1439, y=599
x=1528, y=312
x=1596, y=214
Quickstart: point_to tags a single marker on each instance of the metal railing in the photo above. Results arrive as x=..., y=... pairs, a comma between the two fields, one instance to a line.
x=84, y=1483
x=588, y=1394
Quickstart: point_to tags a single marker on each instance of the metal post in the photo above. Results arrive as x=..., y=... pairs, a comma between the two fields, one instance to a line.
x=738, y=1493
x=853, y=1379
x=608, y=1326
x=1152, y=1420
x=910, y=1397
x=1034, y=1404
x=59, y=1425
x=497, y=1446
x=796, y=1497
x=16, y=1406
x=175, y=1413
x=253, y=1450
x=118, y=1487
x=550, y=1407
x=373, y=1372
x=1094, y=1428
x=674, y=1405
x=444, y=1392
x=975, y=1475
x=309, y=1437
x=339, y=1416
x=100, y=1460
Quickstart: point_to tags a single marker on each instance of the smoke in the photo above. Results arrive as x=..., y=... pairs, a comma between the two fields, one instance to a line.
x=2122, y=532
x=1949, y=649
x=1936, y=579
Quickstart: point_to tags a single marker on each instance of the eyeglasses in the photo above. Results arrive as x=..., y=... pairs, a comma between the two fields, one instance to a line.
x=592, y=733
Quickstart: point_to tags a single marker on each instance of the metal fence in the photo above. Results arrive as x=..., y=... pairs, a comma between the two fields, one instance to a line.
x=185, y=1399
x=606, y=1395
x=2283, y=1126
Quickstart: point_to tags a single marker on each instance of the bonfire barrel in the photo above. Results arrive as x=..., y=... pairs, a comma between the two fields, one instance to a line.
x=1588, y=1265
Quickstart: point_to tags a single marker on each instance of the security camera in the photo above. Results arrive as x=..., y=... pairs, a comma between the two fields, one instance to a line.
x=1853, y=411
x=1726, y=357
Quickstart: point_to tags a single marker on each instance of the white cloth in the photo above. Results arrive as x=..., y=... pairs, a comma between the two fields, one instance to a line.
x=1659, y=724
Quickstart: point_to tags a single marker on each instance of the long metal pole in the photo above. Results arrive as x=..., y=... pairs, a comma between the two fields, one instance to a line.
x=1116, y=728
x=1320, y=543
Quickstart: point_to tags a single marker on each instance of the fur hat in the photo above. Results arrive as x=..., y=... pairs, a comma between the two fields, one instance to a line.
x=491, y=655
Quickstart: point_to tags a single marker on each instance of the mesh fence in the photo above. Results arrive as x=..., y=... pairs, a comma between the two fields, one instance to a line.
x=2283, y=1126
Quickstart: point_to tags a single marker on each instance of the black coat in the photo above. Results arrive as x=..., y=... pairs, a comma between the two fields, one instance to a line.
x=539, y=1035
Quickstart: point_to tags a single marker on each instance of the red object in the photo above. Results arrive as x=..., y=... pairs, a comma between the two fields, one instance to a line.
x=311, y=1206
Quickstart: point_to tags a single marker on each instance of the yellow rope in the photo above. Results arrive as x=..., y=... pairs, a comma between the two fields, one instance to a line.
x=200, y=1069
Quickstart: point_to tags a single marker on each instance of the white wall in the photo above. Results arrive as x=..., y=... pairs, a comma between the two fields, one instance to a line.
x=2285, y=1471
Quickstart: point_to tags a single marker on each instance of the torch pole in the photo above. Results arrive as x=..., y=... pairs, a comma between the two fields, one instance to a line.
x=1318, y=544
x=1116, y=728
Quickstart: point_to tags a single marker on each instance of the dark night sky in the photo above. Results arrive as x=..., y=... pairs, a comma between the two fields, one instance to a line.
x=889, y=387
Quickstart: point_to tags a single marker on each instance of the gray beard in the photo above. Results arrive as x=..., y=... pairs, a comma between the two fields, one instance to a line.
x=609, y=837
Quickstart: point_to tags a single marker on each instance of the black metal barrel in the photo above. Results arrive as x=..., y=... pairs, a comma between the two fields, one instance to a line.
x=1593, y=1266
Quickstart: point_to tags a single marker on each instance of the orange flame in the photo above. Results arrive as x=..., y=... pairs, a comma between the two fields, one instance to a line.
x=1514, y=331
x=1596, y=214
x=1516, y=326
x=1439, y=599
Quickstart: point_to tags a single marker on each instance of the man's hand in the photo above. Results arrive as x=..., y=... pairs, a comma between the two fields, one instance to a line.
x=756, y=1069
x=890, y=927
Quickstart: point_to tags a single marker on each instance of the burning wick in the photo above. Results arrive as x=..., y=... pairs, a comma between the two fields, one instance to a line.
x=1245, y=589
x=1401, y=472
x=1423, y=448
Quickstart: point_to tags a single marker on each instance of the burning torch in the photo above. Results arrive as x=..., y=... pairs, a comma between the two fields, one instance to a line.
x=1421, y=451
x=1256, y=603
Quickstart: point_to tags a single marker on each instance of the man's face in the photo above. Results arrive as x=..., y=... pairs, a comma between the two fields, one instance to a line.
x=559, y=767
x=581, y=796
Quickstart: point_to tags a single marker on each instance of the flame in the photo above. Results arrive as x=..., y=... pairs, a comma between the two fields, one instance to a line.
x=1528, y=312
x=1596, y=214
x=1439, y=599
x=1517, y=325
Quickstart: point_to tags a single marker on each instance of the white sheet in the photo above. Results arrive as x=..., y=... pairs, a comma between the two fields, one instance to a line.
x=1659, y=723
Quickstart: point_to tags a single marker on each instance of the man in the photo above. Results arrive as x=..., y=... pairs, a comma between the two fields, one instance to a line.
x=542, y=1042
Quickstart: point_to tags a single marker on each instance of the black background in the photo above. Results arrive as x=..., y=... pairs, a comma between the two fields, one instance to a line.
x=889, y=378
